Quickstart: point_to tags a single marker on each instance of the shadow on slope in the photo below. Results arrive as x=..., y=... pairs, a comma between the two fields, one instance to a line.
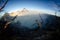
x=16, y=31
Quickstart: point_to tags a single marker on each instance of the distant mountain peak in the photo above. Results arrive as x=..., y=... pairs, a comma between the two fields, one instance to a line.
x=25, y=10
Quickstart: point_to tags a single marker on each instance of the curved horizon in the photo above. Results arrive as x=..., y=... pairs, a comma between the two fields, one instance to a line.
x=46, y=6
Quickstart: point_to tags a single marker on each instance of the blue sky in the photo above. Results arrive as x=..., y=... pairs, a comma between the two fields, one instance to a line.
x=13, y=5
x=29, y=4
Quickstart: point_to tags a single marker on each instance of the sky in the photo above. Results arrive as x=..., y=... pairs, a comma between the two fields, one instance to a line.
x=44, y=5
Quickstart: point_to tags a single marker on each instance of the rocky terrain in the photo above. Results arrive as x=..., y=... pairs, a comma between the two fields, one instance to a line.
x=16, y=31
